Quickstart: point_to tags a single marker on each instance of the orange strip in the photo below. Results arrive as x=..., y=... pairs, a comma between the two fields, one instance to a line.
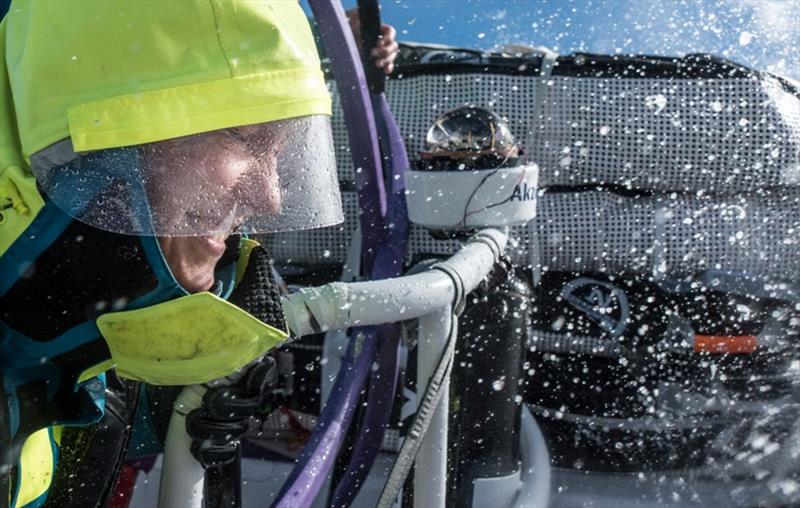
x=720, y=344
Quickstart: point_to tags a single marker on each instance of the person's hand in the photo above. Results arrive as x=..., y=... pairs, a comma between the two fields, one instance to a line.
x=385, y=51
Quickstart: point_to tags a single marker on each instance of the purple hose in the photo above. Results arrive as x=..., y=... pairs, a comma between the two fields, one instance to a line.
x=360, y=120
x=388, y=263
x=319, y=454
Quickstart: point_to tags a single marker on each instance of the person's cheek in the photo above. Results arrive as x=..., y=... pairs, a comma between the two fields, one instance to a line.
x=260, y=192
x=221, y=172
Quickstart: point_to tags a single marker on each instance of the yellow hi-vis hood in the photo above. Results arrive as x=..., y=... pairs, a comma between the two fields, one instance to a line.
x=19, y=199
x=116, y=73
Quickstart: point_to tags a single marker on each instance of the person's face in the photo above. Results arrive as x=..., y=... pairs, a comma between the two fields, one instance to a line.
x=203, y=187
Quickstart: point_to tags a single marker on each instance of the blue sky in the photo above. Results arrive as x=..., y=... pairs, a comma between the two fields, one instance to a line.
x=764, y=34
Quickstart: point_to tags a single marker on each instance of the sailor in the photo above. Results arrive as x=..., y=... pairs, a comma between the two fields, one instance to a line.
x=141, y=145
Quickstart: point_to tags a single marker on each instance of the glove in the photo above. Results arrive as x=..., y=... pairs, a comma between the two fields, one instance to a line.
x=217, y=426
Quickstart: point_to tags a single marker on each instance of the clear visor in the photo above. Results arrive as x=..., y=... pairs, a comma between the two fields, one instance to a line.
x=276, y=176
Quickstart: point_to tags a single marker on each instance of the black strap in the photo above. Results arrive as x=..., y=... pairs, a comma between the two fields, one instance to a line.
x=369, y=15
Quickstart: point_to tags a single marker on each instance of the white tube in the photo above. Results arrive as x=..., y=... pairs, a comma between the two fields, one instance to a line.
x=536, y=470
x=430, y=477
x=339, y=305
x=181, y=475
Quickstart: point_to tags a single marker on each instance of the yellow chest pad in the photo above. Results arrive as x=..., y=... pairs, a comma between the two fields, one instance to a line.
x=189, y=340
